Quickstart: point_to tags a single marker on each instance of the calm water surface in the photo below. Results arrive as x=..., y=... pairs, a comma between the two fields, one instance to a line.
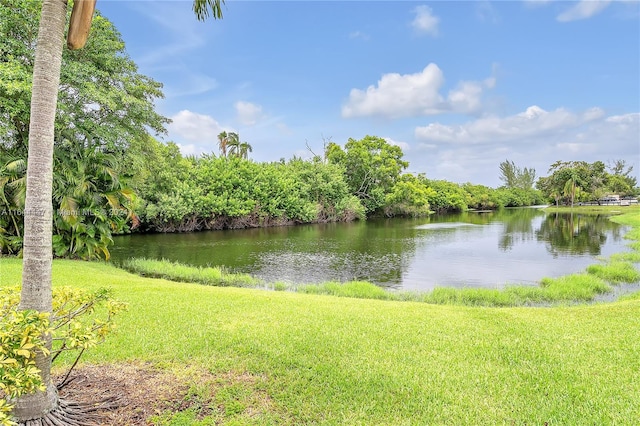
x=488, y=249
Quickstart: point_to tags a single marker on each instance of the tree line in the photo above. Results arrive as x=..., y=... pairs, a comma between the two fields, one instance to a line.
x=112, y=175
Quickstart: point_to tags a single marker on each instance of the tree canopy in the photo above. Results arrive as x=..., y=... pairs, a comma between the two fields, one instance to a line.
x=103, y=100
x=372, y=167
x=104, y=107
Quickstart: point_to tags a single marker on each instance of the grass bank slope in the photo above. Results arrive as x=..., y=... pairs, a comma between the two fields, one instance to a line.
x=329, y=360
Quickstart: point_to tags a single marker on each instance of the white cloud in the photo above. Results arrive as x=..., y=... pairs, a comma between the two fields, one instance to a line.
x=533, y=138
x=248, y=113
x=425, y=21
x=583, y=9
x=404, y=145
x=406, y=95
x=533, y=122
x=199, y=129
x=189, y=149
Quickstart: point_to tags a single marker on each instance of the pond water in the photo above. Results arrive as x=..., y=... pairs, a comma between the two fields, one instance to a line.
x=473, y=249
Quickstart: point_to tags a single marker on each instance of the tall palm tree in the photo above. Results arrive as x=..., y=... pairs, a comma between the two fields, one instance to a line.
x=38, y=217
x=244, y=149
x=233, y=143
x=223, y=139
x=571, y=188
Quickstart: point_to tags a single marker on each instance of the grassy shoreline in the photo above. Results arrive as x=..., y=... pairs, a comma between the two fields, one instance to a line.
x=327, y=360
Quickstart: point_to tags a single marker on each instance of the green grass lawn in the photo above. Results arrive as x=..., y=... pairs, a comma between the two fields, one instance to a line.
x=328, y=360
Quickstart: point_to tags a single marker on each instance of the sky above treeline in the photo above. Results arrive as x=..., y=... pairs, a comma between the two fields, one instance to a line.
x=460, y=86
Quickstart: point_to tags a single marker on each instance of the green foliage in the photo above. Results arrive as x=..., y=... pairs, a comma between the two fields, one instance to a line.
x=20, y=337
x=92, y=202
x=230, y=145
x=619, y=272
x=12, y=195
x=578, y=287
x=620, y=181
x=104, y=105
x=517, y=197
x=80, y=320
x=481, y=197
x=371, y=166
x=574, y=181
x=103, y=99
x=232, y=192
x=470, y=297
x=446, y=196
x=409, y=197
x=515, y=177
x=175, y=271
x=357, y=289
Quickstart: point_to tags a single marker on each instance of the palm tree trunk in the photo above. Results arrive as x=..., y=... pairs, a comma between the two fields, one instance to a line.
x=38, y=217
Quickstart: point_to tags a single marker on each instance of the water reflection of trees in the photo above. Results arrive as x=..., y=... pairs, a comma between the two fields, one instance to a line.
x=517, y=226
x=576, y=233
x=381, y=251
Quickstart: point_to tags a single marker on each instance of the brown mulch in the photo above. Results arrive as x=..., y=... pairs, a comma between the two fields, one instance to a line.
x=141, y=391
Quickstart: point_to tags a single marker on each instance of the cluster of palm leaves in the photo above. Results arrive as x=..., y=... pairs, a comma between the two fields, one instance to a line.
x=90, y=201
x=230, y=145
x=12, y=193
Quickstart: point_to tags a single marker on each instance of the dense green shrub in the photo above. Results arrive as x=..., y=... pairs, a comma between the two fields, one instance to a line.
x=80, y=320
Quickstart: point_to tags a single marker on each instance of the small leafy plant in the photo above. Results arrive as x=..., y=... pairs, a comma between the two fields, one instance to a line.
x=80, y=320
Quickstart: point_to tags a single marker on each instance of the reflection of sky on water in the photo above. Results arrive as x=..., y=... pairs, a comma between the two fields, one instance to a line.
x=489, y=250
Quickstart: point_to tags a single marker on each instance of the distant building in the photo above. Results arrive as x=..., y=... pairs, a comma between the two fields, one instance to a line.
x=614, y=198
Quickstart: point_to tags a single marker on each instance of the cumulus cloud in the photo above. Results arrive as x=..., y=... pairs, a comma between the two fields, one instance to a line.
x=248, y=113
x=534, y=121
x=405, y=95
x=535, y=138
x=425, y=22
x=200, y=129
x=583, y=9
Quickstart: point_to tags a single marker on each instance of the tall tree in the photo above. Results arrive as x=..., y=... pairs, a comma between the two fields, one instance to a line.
x=98, y=119
x=620, y=180
x=508, y=173
x=37, y=252
x=233, y=143
x=244, y=149
x=223, y=140
x=371, y=166
x=38, y=217
x=515, y=177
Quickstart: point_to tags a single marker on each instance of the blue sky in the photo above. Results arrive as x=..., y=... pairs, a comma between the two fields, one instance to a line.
x=460, y=86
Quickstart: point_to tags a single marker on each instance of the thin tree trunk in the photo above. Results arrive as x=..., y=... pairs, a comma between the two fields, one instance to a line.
x=38, y=217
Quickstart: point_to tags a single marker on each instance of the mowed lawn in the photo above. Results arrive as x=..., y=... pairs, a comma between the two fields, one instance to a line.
x=330, y=360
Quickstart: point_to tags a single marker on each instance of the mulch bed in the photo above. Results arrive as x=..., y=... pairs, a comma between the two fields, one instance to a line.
x=141, y=391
